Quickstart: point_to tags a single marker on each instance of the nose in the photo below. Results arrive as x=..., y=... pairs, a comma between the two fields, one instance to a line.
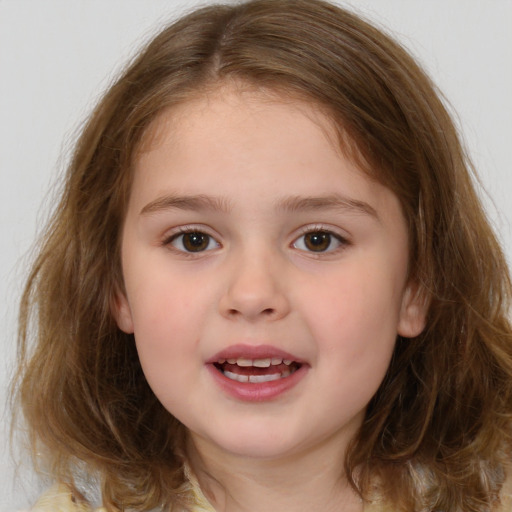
x=255, y=289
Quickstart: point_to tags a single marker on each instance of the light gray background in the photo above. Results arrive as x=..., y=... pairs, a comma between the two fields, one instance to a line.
x=57, y=56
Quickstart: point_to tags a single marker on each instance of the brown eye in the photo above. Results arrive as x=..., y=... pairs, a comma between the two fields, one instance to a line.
x=318, y=241
x=195, y=241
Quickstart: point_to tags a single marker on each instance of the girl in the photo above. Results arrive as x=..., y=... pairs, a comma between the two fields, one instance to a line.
x=269, y=284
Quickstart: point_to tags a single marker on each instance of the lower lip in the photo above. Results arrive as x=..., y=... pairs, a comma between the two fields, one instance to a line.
x=260, y=391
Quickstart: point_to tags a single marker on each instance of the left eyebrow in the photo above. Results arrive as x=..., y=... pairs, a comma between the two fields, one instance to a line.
x=199, y=203
x=328, y=202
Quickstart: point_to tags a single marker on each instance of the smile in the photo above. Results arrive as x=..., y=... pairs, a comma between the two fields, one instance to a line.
x=256, y=371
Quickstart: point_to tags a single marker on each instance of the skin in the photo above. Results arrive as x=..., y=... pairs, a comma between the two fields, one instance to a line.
x=259, y=160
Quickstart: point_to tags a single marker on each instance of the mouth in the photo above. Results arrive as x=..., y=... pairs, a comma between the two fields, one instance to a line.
x=256, y=371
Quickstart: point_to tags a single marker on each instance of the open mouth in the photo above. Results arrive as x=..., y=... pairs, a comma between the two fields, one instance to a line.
x=256, y=370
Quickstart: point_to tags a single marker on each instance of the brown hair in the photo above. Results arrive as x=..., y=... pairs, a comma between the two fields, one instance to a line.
x=437, y=433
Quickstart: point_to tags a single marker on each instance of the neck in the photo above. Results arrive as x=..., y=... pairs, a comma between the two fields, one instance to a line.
x=310, y=480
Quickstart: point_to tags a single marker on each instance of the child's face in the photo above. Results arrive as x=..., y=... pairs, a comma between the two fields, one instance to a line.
x=248, y=236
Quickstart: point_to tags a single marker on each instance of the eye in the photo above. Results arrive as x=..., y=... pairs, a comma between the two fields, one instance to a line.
x=193, y=241
x=318, y=241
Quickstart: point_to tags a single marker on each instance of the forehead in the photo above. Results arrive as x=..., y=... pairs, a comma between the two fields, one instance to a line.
x=233, y=125
x=173, y=120
x=248, y=146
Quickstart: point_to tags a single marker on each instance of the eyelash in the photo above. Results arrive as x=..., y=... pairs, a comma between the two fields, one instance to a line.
x=341, y=242
x=181, y=233
x=326, y=235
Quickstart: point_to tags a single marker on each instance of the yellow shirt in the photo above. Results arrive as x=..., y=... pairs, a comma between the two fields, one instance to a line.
x=60, y=499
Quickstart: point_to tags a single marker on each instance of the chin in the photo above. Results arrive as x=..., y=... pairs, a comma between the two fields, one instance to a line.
x=257, y=442
x=259, y=451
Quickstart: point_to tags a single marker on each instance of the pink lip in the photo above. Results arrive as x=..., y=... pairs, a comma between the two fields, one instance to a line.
x=255, y=392
x=252, y=352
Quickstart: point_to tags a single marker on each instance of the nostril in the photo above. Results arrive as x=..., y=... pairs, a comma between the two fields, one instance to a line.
x=265, y=312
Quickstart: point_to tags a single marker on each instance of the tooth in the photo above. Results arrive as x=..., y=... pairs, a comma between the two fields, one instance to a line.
x=232, y=361
x=221, y=361
x=242, y=361
x=276, y=361
x=236, y=376
x=261, y=363
x=285, y=373
x=255, y=379
x=287, y=362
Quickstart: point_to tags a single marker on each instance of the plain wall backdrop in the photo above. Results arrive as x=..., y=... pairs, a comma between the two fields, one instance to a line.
x=57, y=56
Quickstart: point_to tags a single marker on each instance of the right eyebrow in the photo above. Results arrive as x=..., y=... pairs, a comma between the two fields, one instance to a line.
x=199, y=202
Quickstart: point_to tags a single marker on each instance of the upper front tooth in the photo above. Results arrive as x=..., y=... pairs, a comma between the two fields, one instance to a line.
x=232, y=361
x=276, y=361
x=242, y=361
x=261, y=363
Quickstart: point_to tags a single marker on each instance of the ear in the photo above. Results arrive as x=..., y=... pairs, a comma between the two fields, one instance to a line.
x=413, y=311
x=122, y=312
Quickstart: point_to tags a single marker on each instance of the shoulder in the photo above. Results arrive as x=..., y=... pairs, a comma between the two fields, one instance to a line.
x=60, y=499
x=504, y=505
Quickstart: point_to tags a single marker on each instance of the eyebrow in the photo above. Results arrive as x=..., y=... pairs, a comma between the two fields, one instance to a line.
x=199, y=203
x=329, y=202
x=291, y=204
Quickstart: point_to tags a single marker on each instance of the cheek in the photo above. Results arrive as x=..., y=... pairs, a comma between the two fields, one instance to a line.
x=166, y=341
x=356, y=341
x=354, y=323
x=358, y=302
x=166, y=320
x=162, y=298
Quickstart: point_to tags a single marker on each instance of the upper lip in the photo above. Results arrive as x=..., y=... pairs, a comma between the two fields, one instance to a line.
x=252, y=352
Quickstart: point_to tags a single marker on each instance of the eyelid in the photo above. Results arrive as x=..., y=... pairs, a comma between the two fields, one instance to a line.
x=343, y=240
x=170, y=236
x=188, y=228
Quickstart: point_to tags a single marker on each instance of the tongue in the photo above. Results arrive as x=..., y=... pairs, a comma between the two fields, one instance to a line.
x=253, y=370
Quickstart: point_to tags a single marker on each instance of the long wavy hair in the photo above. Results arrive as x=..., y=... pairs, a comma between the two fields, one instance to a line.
x=437, y=434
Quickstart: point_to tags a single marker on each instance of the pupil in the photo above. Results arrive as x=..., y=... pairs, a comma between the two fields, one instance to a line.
x=318, y=241
x=195, y=242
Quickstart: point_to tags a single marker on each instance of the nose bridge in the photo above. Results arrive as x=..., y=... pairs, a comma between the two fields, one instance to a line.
x=255, y=285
